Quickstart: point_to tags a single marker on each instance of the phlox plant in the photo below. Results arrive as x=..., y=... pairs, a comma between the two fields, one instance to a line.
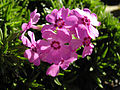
x=68, y=30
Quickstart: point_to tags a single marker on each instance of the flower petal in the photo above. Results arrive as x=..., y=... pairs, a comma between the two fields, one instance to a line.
x=32, y=37
x=47, y=27
x=94, y=20
x=64, y=35
x=59, y=13
x=87, y=50
x=54, y=13
x=24, y=26
x=65, y=13
x=32, y=14
x=65, y=52
x=93, y=32
x=50, y=18
x=82, y=31
x=75, y=44
x=74, y=12
x=26, y=41
x=31, y=55
x=53, y=70
x=28, y=54
x=36, y=18
x=66, y=63
x=48, y=34
x=54, y=56
x=80, y=12
x=71, y=20
x=72, y=29
x=86, y=10
x=36, y=62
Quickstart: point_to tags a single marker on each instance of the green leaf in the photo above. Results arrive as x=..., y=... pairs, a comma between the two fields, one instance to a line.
x=99, y=82
x=8, y=13
x=62, y=74
x=5, y=47
x=118, y=56
x=105, y=52
x=79, y=56
x=101, y=37
x=67, y=70
x=5, y=32
x=1, y=35
x=100, y=85
x=1, y=43
x=22, y=58
x=69, y=2
x=57, y=81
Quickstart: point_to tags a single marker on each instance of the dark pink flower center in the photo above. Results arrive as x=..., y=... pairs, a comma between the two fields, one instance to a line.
x=28, y=25
x=33, y=48
x=55, y=45
x=59, y=23
x=85, y=20
x=86, y=41
x=62, y=61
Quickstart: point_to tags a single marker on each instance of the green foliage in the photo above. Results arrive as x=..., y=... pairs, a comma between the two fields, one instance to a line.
x=11, y=18
x=84, y=74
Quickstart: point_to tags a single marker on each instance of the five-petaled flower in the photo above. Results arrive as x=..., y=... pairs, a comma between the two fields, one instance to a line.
x=53, y=70
x=83, y=39
x=60, y=19
x=53, y=48
x=86, y=18
x=34, y=17
x=33, y=53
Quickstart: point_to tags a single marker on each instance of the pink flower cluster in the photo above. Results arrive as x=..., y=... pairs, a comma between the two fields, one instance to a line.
x=69, y=30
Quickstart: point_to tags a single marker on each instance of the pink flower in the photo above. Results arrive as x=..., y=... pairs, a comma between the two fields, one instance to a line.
x=34, y=17
x=83, y=39
x=89, y=20
x=53, y=70
x=53, y=48
x=32, y=54
x=87, y=50
x=59, y=18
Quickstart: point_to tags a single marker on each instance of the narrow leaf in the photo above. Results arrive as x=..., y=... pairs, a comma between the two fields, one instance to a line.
x=57, y=81
x=1, y=35
x=5, y=32
x=6, y=47
x=105, y=52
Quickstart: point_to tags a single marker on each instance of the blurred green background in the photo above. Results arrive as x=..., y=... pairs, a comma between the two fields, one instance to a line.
x=100, y=71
